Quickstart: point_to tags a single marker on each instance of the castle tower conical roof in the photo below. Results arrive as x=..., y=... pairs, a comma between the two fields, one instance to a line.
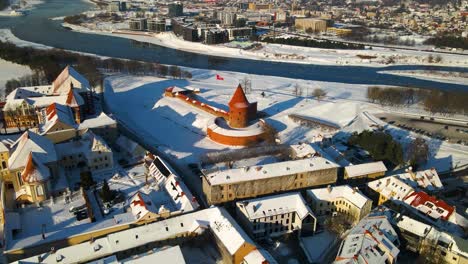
x=238, y=98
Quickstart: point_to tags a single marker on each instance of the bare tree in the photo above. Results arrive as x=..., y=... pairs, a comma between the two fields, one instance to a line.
x=246, y=84
x=297, y=90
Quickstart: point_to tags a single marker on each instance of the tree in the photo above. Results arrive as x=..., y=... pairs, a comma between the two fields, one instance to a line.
x=418, y=152
x=297, y=90
x=336, y=224
x=107, y=194
x=175, y=72
x=86, y=180
x=186, y=75
x=319, y=93
x=246, y=84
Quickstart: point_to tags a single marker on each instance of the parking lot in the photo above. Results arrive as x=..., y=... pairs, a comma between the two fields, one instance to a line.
x=443, y=130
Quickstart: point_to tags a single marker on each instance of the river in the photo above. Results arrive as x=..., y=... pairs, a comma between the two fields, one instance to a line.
x=37, y=27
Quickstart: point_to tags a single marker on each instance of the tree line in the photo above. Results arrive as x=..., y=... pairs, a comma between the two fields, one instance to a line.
x=380, y=146
x=433, y=101
x=324, y=44
x=448, y=41
x=4, y=4
x=47, y=65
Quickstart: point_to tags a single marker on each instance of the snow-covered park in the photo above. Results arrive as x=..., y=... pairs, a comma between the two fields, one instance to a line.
x=180, y=130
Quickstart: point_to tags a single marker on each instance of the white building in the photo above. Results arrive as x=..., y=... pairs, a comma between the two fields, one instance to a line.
x=372, y=240
x=390, y=188
x=216, y=223
x=427, y=179
x=343, y=200
x=276, y=215
x=426, y=239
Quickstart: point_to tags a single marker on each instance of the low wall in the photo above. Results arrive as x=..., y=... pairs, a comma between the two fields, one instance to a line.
x=234, y=141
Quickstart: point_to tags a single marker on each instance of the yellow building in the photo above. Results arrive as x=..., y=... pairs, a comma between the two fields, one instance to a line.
x=390, y=188
x=370, y=170
x=248, y=182
x=311, y=24
x=342, y=200
x=340, y=31
x=255, y=6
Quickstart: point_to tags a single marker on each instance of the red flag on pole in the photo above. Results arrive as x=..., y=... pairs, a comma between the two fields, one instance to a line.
x=218, y=77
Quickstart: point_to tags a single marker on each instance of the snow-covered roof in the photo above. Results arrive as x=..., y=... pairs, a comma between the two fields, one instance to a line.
x=99, y=121
x=429, y=205
x=339, y=192
x=410, y=225
x=458, y=245
x=141, y=204
x=42, y=96
x=220, y=126
x=337, y=156
x=391, y=187
x=427, y=179
x=259, y=256
x=55, y=113
x=30, y=142
x=70, y=72
x=171, y=255
x=303, y=150
x=180, y=194
x=365, y=169
x=35, y=171
x=86, y=145
x=216, y=219
x=372, y=240
x=274, y=205
x=269, y=170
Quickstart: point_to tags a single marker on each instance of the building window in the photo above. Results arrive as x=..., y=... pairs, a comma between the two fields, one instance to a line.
x=20, y=180
x=40, y=190
x=4, y=166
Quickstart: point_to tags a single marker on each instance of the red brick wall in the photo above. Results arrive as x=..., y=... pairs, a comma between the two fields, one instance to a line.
x=234, y=141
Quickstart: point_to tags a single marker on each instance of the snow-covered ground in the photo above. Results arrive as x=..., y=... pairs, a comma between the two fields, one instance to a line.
x=180, y=130
x=7, y=36
x=25, y=5
x=277, y=52
x=10, y=70
x=437, y=76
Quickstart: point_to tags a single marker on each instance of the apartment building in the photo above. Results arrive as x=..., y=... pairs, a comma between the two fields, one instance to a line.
x=342, y=200
x=247, y=182
x=276, y=215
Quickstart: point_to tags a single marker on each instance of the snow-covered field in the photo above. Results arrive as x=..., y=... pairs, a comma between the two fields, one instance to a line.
x=10, y=70
x=276, y=52
x=179, y=130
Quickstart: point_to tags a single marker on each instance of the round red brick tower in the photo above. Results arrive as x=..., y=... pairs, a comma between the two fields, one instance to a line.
x=239, y=109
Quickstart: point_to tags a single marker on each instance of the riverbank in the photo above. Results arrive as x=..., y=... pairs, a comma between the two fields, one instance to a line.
x=377, y=57
x=437, y=76
x=10, y=71
x=25, y=6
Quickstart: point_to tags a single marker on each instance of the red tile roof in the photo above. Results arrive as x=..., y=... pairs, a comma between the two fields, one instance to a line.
x=239, y=98
x=421, y=198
